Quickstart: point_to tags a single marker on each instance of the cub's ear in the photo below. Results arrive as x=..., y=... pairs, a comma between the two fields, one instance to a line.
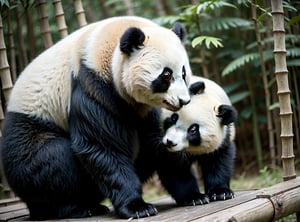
x=227, y=113
x=179, y=30
x=132, y=38
x=197, y=88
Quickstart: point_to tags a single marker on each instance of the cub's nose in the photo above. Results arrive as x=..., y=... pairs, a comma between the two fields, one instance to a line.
x=184, y=102
x=170, y=143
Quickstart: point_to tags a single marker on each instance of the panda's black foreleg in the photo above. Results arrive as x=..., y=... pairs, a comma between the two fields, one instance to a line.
x=105, y=141
x=217, y=169
x=177, y=176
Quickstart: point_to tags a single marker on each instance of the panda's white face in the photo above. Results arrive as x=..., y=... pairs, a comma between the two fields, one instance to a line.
x=204, y=124
x=194, y=128
x=158, y=72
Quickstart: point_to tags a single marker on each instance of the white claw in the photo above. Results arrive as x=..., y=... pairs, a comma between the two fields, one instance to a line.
x=130, y=219
x=215, y=196
x=194, y=204
x=137, y=215
x=224, y=196
x=201, y=202
x=148, y=215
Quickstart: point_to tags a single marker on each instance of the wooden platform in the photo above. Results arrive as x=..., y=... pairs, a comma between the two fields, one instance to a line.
x=250, y=205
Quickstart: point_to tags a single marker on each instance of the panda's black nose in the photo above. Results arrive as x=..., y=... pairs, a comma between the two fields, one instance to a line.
x=170, y=143
x=184, y=102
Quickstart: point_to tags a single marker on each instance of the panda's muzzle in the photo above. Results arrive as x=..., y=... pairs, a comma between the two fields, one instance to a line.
x=170, y=143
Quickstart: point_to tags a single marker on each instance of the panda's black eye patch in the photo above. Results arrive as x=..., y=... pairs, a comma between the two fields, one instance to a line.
x=170, y=121
x=197, y=88
x=193, y=135
x=163, y=81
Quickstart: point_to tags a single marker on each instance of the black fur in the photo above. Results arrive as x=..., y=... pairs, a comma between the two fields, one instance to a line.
x=227, y=113
x=120, y=150
x=132, y=38
x=162, y=82
x=179, y=30
x=194, y=136
x=217, y=169
x=197, y=88
x=40, y=167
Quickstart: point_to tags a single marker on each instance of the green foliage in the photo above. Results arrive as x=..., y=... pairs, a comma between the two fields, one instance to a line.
x=207, y=40
x=243, y=60
x=205, y=6
x=225, y=23
x=4, y=3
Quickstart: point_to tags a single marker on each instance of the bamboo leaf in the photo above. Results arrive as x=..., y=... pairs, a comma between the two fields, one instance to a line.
x=224, y=23
x=241, y=61
x=294, y=62
x=246, y=112
x=234, y=98
x=208, y=41
x=233, y=86
x=293, y=52
x=274, y=106
x=237, y=63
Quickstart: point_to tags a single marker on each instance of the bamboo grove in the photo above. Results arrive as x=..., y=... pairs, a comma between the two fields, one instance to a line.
x=230, y=42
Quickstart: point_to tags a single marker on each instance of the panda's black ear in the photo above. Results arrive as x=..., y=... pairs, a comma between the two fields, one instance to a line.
x=227, y=113
x=132, y=38
x=197, y=88
x=179, y=30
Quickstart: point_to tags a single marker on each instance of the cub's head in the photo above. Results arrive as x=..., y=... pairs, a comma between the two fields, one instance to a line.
x=151, y=67
x=205, y=124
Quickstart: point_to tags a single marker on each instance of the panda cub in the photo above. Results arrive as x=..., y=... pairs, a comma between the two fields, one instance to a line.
x=204, y=130
x=81, y=123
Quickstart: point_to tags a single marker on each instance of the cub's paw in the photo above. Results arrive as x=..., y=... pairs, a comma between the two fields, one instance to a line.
x=196, y=199
x=221, y=194
x=136, y=209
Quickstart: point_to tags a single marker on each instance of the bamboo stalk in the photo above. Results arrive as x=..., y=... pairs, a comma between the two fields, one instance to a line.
x=283, y=92
x=44, y=23
x=129, y=7
x=12, y=49
x=4, y=67
x=6, y=89
x=60, y=18
x=79, y=11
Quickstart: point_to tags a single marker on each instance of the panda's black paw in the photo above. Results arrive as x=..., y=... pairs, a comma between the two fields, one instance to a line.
x=196, y=199
x=221, y=194
x=136, y=209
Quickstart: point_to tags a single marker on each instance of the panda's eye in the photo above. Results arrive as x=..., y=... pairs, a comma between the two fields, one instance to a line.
x=174, y=117
x=183, y=73
x=167, y=75
x=193, y=130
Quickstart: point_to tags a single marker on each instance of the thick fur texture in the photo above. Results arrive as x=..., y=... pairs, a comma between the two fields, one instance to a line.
x=80, y=124
x=203, y=131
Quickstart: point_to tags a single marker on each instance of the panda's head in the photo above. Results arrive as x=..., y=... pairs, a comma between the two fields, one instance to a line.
x=151, y=67
x=205, y=124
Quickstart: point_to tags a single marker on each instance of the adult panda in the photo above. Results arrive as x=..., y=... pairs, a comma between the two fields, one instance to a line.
x=81, y=124
x=204, y=131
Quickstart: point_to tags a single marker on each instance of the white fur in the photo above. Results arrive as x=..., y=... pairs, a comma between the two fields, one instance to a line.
x=44, y=87
x=202, y=110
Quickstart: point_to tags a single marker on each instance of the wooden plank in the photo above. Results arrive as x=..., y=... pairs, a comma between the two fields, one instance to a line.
x=279, y=188
x=15, y=215
x=255, y=210
x=260, y=209
x=13, y=207
x=168, y=211
x=9, y=201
